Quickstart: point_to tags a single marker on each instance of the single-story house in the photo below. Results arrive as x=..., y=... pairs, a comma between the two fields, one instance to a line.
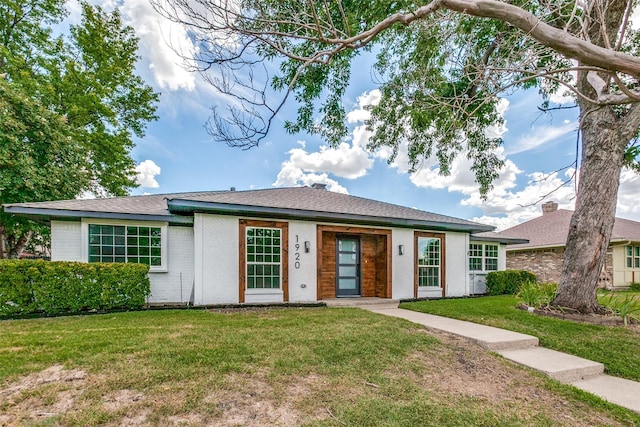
x=298, y=244
x=547, y=236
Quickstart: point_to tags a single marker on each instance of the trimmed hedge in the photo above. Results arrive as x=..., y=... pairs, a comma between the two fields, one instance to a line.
x=508, y=282
x=36, y=286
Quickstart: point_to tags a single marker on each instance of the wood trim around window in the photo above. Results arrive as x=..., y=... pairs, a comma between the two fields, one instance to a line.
x=242, y=282
x=443, y=259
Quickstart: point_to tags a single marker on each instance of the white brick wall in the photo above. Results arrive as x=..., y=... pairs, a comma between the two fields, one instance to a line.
x=402, y=270
x=175, y=285
x=216, y=259
x=302, y=280
x=66, y=241
x=457, y=265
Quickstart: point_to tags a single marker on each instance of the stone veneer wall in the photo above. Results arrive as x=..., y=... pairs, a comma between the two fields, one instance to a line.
x=546, y=264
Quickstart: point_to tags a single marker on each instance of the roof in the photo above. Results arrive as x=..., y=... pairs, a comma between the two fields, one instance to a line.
x=551, y=230
x=292, y=202
x=492, y=236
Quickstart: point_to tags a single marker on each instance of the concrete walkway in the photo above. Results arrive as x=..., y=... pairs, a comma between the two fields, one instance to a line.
x=523, y=349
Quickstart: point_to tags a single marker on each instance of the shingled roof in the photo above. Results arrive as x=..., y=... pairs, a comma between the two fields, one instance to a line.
x=293, y=202
x=551, y=230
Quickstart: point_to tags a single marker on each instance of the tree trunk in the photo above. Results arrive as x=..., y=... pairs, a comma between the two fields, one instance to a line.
x=591, y=225
x=4, y=252
x=11, y=245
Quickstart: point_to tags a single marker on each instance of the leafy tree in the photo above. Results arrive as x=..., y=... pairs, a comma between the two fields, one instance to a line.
x=69, y=108
x=442, y=65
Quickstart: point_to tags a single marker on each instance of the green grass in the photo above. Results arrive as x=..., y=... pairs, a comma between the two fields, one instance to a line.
x=615, y=346
x=324, y=367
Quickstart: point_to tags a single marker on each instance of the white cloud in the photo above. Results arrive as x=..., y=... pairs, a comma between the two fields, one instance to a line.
x=628, y=206
x=345, y=161
x=146, y=174
x=505, y=208
x=360, y=114
x=292, y=176
x=497, y=130
x=540, y=136
x=163, y=43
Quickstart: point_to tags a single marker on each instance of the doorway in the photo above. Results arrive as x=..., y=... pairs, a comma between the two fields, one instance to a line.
x=348, y=283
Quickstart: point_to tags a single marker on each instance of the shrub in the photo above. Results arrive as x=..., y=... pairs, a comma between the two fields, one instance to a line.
x=508, y=281
x=635, y=286
x=627, y=307
x=35, y=286
x=538, y=295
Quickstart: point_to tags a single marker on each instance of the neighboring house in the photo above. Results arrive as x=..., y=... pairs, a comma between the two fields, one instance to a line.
x=277, y=245
x=547, y=236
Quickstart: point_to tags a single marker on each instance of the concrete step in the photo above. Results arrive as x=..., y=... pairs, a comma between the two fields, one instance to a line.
x=560, y=366
x=366, y=303
x=622, y=392
x=488, y=337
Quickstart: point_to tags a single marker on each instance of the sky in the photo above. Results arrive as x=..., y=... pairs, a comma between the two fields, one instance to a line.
x=177, y=154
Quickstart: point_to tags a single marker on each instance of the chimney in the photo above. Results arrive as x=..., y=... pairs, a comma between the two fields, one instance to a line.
x=319, y=186
x=549, y=207
x=232, y=189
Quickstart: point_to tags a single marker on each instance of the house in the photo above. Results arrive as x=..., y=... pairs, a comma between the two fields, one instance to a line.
x=297, y=244
x=547, y=236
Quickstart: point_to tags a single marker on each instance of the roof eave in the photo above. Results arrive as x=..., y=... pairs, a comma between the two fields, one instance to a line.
x=504, y=240
x=191, y=206
x=47, y=214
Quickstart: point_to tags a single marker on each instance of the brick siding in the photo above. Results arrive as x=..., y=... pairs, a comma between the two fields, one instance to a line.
x=546, y=264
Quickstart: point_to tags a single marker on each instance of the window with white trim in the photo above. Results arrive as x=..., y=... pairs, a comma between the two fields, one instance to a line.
x=429, y=260
x=264, y=255
x=475, y=257
x=633, y=256
x=125, y=243
x=483, y=257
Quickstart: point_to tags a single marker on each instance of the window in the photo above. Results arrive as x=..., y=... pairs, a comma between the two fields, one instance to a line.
x=633, y=256
x=475, y=257
x=428, y=261
x=483, y=255
x=491, y=257
x=263, y=246
x=123, y=243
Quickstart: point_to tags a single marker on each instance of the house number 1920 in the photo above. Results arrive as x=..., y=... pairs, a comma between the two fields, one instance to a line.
x=296, y=254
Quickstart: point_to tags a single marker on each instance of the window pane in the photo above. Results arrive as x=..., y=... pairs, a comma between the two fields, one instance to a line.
x=491, y=264
x=263, y=267
x=109, y=243
x=491, y=251
x=428, y=261
x=475, y=264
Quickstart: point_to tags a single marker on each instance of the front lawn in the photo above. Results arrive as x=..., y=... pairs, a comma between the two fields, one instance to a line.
x=288, y=367
x=615, y=346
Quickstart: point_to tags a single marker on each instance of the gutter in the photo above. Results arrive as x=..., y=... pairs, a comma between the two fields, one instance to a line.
x=46, y=214
x=505, y=240
x=191, y=206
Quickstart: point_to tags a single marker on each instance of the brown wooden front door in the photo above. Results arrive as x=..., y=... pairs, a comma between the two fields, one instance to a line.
x=348, y=267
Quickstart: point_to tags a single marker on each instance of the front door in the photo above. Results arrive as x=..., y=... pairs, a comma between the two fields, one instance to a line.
x=348, y=267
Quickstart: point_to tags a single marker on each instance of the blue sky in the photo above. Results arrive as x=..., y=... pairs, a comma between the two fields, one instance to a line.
x=178, y=155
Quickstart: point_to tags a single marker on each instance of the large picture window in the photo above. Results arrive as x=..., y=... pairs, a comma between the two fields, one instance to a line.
x=483, y=257
x=429, y=254
x=264, y=254
x=124, y=243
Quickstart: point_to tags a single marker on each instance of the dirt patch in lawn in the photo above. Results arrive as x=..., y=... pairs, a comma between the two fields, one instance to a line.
x=41, y=395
